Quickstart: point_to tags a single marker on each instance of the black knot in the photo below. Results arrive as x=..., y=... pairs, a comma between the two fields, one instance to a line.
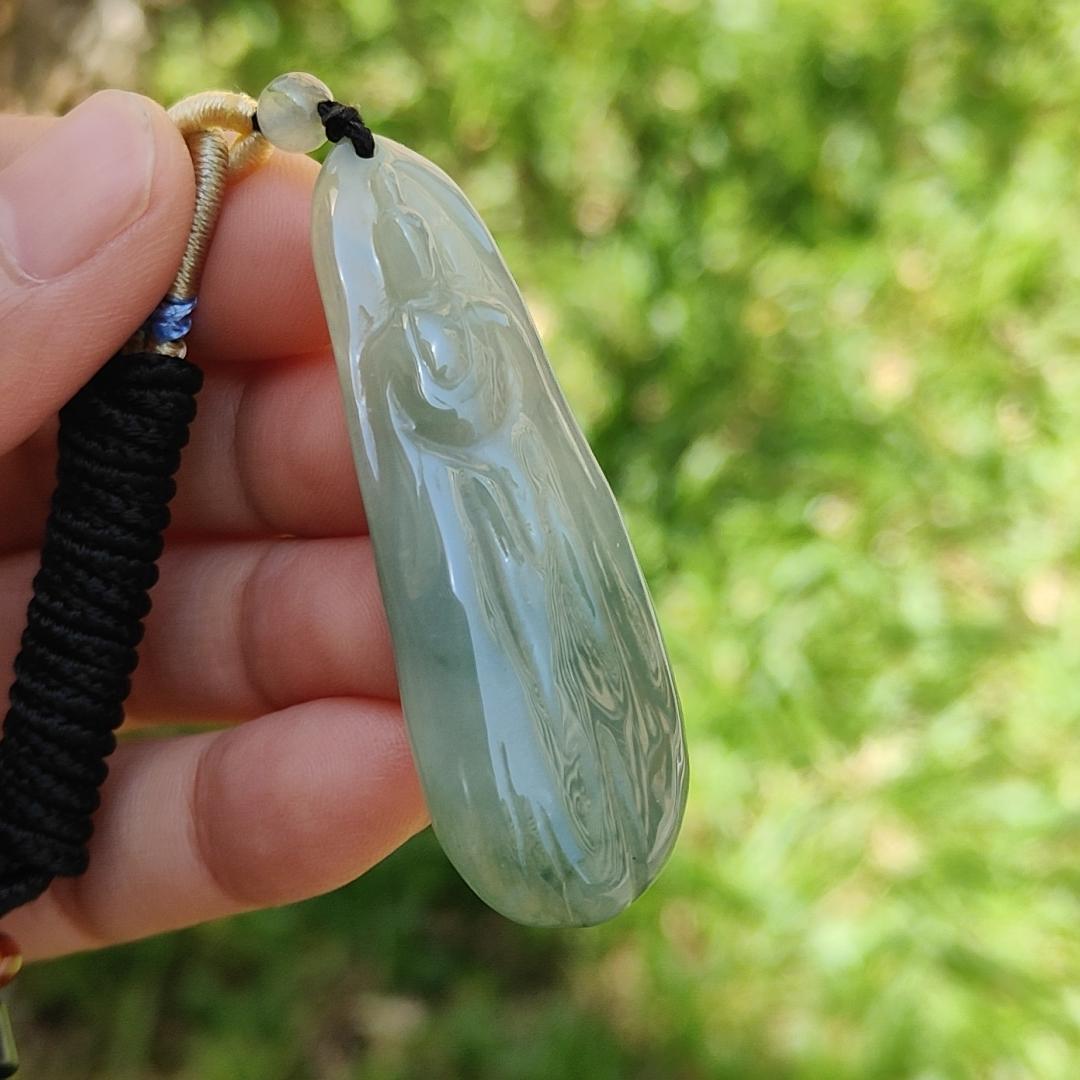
x=344, y=122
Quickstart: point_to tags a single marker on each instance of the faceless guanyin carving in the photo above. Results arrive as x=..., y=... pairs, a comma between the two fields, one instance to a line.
x=536, y=689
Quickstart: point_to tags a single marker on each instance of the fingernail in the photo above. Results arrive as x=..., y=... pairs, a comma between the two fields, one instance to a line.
x=78, y=187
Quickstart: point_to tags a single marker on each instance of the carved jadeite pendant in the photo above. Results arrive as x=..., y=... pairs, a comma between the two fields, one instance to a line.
x=536, y=690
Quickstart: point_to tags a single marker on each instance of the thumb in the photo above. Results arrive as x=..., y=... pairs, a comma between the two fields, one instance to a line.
x=93, y=220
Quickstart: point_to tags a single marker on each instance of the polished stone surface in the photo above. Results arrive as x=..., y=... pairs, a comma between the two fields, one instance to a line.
x=537, y=693
x=288, y=111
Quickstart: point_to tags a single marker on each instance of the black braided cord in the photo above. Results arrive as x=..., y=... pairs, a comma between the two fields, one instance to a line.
x=119, y=447
x=344, y=122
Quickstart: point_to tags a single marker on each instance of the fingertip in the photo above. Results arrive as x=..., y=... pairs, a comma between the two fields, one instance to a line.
x=131, y=275
x=336, y=792
x=259, y=297
x=172, y=197
x=94, y=216
x=128, y=277
x=202, y=826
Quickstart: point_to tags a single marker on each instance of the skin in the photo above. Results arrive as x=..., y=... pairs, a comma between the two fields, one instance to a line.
x=267, y=628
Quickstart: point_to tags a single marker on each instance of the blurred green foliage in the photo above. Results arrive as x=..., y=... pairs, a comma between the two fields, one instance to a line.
x=809, y=271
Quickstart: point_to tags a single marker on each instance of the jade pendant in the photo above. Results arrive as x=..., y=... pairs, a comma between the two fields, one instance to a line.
x=536, y=690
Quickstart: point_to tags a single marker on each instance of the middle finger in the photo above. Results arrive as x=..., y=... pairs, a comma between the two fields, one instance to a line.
x=269, y=455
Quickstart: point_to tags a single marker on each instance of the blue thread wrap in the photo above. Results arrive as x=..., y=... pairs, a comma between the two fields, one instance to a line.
x=171, y=320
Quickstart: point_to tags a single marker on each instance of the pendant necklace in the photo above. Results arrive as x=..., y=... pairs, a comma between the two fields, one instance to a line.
x=537, y=693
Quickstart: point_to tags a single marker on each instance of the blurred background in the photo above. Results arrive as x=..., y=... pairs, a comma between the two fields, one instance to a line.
x=809, y=272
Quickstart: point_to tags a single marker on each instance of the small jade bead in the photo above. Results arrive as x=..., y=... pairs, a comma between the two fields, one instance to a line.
x=288, y=112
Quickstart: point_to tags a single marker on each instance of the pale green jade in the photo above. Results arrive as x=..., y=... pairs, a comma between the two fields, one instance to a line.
x=536, y=690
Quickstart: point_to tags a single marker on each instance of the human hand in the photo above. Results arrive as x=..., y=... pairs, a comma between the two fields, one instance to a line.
x=267, y=627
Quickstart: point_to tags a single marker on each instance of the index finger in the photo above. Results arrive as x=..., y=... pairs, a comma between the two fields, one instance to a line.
x=259, y=299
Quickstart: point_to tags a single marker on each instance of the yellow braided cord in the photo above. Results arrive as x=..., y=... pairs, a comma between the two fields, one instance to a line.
x=225, y=111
